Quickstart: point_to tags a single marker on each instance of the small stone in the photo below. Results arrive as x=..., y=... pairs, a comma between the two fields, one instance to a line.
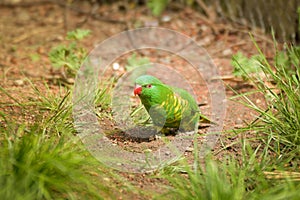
x=258, y=101
x=239, y=121
x=204, y=28
x=157, y=137
x=19, y=82
x=70, y=80
x=166, y=18
x=206, y=40
x=189, y=149
x=116, y=66
x=227, y=52
x=167, y=153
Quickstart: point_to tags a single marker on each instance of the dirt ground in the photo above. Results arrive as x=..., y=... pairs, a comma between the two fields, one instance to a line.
x=29, y=30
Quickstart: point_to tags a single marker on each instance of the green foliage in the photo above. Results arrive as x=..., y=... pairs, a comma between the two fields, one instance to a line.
x=249, y=65
x=36, y=166
x=280, y=121
x=231, y=179
x=45, y=160
x=288, y=60
x=103, y=96
x=157, y=6
x=209, y=182
x=70, y=57
x=78, y=34
x=140, y=116
x=50, y=162
x=58, y=108
x=246, y=67
x=133, y=61
x=275, y=146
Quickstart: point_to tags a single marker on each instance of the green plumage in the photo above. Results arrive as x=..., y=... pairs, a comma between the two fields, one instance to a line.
x=168, y=107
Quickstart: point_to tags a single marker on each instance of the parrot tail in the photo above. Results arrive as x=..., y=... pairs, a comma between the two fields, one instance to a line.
x=206, y=120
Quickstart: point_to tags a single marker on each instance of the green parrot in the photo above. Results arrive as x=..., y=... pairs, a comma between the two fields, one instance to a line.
x=168, y=107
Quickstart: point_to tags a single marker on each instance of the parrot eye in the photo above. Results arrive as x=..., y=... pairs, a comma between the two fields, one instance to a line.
x=149, y=86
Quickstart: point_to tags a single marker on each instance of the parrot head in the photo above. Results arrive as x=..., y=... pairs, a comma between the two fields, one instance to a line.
x=150, y=90
x=144, y=82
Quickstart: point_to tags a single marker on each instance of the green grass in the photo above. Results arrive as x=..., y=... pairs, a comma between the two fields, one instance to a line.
x=280, y=121
x=212, y=179
x=267, y=166
x=36, y=166
x=44, y=159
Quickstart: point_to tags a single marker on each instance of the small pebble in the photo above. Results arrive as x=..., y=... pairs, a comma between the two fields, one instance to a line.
x=19, y=82
x=206, y=40
x=70, y=80
x=204, y=28
x=239, y=121
x=189, y=149
x=157, y=137
x=227, y=52
x=258, y=101
x=166, y=18
x=116, y=66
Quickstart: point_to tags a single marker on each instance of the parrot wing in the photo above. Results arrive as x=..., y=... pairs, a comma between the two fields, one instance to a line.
x=193, y=104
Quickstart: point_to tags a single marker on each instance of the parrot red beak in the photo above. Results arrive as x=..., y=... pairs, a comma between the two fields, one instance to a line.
x=137, y=90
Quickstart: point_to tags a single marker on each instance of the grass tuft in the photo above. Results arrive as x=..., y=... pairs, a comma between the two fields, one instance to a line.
x=35, y=165
x=280, y=121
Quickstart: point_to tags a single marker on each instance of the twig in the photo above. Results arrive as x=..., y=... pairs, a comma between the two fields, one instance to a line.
x=228, y=77
x=295, y=176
